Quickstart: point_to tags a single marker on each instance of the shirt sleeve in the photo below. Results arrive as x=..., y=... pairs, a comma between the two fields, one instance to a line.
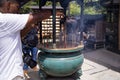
x=15, y=22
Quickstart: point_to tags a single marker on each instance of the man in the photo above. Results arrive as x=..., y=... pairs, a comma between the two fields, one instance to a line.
x=11, y=62
x=29, y=44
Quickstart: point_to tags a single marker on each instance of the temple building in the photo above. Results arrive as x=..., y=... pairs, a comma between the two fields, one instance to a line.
x=112, y=31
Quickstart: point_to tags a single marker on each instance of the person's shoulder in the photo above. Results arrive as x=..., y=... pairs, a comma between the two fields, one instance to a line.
x=11, y=15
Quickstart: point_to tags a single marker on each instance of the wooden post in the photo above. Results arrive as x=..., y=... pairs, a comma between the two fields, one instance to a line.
x=54, y=23
x=119, y=30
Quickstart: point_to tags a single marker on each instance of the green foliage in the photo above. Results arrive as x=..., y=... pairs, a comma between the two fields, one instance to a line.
x=49, y=3
x=26, y=7
x=74, y=8
x=93, y=7
x=91, y=10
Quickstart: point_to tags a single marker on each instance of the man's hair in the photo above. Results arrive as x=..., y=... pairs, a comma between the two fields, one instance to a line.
x=3, y=1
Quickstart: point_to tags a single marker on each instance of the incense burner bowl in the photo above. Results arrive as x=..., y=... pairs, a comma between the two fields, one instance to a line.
x=60, y=62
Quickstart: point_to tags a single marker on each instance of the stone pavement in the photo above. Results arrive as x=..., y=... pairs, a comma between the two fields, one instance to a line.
x=99, y=64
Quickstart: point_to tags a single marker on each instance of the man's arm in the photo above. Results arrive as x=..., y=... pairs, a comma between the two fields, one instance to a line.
x=34, y=18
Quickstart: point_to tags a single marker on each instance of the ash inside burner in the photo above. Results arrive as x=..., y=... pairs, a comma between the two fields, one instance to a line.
x=61, y=45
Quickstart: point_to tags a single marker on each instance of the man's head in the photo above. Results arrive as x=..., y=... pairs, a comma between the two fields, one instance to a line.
x=14, y=7
x=9, y=6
